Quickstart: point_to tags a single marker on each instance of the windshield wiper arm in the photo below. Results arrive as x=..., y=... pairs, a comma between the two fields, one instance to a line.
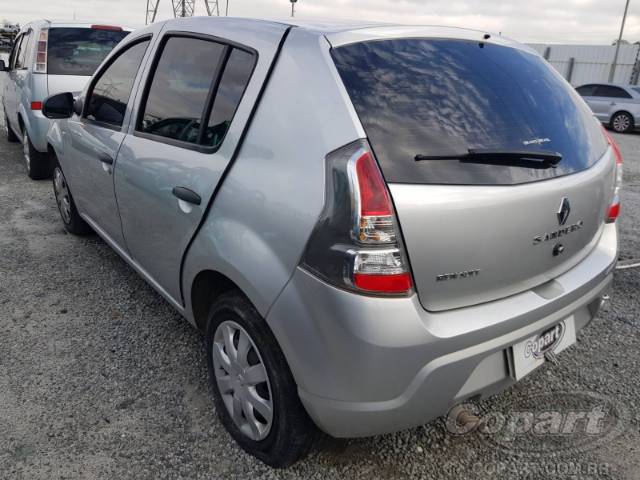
x=525, y=158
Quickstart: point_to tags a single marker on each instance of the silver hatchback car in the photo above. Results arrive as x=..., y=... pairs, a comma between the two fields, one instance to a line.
x=370, y=224
x=617, y=106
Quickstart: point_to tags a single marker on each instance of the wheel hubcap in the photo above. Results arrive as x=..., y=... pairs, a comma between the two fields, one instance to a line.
x=621, y=123
x=242, y=380
x=25, y=149
x=62, y=195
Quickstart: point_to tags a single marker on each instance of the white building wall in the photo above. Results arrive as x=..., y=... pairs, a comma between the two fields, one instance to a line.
x=591, y=62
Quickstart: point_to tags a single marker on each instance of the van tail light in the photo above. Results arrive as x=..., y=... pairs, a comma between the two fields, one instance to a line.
x=36, y=105
x=41, y=52
x=356, y=243
x=613, y=211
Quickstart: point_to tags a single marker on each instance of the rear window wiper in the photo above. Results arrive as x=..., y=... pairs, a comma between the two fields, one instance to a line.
x=516, y=158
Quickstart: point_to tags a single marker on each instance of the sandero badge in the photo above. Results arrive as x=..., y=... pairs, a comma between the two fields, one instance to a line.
x=563, y=215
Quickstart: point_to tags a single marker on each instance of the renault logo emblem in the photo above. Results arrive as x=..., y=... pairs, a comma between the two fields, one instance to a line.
x=564, y=211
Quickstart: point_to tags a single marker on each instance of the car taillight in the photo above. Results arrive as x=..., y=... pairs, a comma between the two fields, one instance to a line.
x=41, y=52
x=613, y=210
x=356, y=244
x=36, y=105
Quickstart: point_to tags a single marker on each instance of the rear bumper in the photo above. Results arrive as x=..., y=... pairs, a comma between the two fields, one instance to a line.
x=367, y=366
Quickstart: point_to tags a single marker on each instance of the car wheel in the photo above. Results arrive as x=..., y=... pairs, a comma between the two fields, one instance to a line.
x=255, y=395
x=72, y=220
x=11, y=136
x=622, y=122
x=38, y=166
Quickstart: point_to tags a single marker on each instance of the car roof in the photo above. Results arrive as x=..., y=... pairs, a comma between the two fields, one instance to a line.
x=343, y=32
x=628, y=87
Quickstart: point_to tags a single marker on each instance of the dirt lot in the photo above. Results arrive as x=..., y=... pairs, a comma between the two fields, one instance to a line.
x=99, y=378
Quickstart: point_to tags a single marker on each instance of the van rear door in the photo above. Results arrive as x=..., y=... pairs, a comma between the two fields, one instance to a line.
x=480, y=227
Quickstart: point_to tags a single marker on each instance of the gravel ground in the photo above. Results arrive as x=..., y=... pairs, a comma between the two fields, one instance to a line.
x=99, y=378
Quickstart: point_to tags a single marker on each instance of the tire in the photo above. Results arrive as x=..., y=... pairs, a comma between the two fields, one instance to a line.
x=11, y=135
x=622, y=122
x=71, y=219
x=38, y=164
x=291, y=433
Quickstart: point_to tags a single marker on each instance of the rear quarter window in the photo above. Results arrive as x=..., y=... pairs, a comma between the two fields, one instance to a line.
x=610, y=91
x=439, y=97
x=79, y=51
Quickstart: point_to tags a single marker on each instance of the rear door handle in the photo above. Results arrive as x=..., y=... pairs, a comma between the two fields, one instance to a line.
x=105, y=158
x=187, y=195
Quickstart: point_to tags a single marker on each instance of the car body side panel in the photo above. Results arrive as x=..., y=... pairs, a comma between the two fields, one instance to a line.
x=627, y=105
x=266, y=208
x=90, y=180
x=13, y=92
x=147, y=171
x=37, y=125
x=600, y=107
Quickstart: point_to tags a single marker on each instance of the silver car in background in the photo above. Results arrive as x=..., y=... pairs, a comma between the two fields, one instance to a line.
x=617, y=106
x=48, y=58
x=369, y=224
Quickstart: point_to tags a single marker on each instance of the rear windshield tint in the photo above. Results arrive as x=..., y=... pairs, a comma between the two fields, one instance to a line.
x=79, y=51
x=443, y=97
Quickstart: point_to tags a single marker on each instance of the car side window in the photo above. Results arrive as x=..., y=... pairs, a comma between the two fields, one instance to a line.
x=177, y=96
x=108, y=98
x=233, y=83
x=195, y=90
x=611, y=92
x=586, y=90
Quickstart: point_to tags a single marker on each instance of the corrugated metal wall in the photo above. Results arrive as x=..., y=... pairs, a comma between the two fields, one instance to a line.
x=591, y=63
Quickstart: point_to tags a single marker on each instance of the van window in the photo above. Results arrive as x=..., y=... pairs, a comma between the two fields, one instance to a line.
x=438, y=97
x=14, y=52
x=79, y=51
x=25, y=48
x=107, y=101
x=21, y=54
x=178, y=93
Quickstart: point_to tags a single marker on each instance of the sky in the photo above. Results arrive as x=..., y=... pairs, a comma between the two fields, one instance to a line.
x=544, y=21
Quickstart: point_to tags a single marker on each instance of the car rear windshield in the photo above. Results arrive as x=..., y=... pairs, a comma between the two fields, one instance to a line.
x=79, y=51
x=441, y=98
